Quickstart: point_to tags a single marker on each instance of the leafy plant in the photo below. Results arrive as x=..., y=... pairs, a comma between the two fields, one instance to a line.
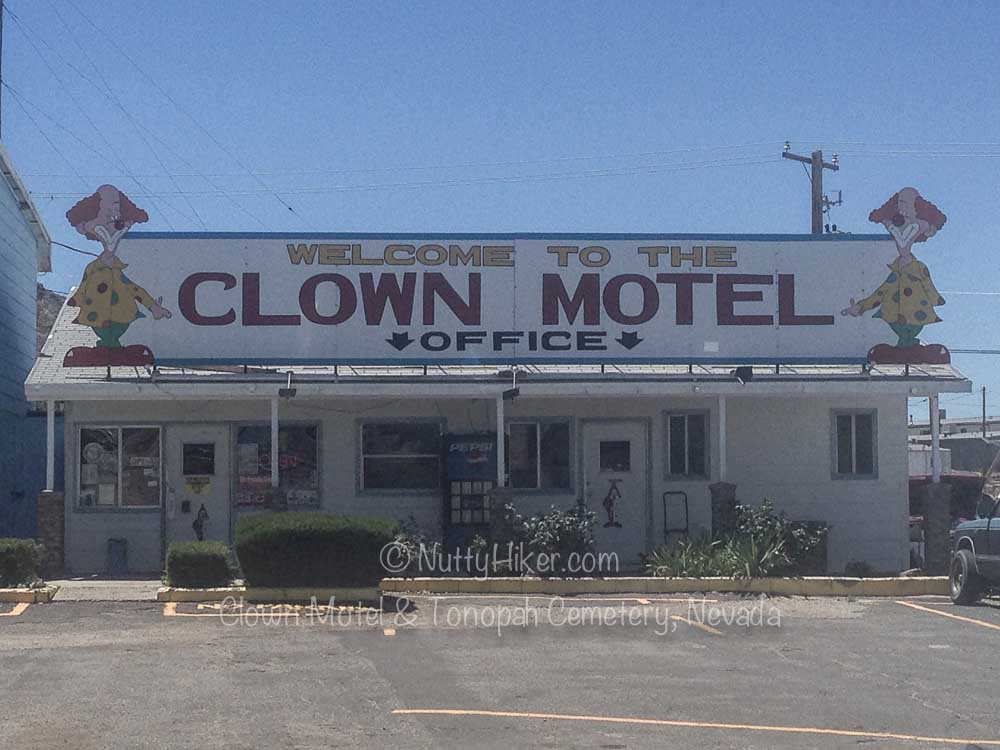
x=559, y=534
x=312, y=549
x=19, y=561
x=763, y=543
x=199, y=565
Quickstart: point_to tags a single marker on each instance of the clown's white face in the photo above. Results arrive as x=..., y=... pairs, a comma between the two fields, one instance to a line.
x=108, y=224
x=905, y=227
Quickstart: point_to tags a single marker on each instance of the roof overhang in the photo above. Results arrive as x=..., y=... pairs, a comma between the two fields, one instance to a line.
x=43, y=243
x=443, y=386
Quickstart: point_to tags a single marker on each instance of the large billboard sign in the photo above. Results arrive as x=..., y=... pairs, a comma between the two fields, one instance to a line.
x=360, y=299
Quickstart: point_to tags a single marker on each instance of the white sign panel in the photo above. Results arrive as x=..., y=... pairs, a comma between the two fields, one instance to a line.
x=284, y=299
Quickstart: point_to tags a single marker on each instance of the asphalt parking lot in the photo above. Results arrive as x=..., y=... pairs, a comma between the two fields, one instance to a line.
x=597, y=672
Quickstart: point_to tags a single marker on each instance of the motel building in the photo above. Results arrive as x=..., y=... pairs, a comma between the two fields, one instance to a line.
x=411, y=376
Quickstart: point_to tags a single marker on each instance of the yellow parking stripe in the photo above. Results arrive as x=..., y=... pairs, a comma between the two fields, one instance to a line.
x=960, y=618
x=15, y=610
x=696, y=624
x=696, y=725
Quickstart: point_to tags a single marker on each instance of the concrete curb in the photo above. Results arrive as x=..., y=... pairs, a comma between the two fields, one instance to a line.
x=808, y=586
x=29, y=596
x=269, y=595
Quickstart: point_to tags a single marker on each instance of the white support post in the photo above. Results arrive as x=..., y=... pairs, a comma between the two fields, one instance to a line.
x=274, y=442
x=50, y=446
x=935, y=439
x=501, y=447
x=722, y=438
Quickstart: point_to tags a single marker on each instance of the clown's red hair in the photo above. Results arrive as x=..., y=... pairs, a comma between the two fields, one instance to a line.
x=925, y=210
x=87, y=209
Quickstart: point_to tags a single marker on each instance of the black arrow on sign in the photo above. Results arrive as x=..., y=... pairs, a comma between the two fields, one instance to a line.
x=400, y=340
x=629, y=339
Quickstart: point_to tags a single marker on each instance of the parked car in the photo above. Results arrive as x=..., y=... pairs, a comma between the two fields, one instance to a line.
x=975, y=556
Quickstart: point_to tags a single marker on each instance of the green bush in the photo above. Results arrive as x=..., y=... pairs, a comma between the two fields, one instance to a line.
x=736, y=557
x=19, y=561
x=764, y=543
x=312, y=549
x=198, y=565
x=564, y=536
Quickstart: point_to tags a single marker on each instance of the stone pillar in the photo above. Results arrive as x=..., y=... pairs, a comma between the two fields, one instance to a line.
x=723, y=509
x=52, y=532
x=937, y=525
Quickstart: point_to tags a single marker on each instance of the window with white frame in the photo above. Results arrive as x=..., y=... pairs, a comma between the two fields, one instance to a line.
x=538, y=455
x=400, y=455
x=119, y=467
x=854, y=442
x=685, y=437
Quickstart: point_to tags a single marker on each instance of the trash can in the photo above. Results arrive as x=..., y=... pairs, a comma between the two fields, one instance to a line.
x=117, y=558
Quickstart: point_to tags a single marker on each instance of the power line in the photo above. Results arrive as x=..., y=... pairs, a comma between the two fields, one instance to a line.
x=29, y=36
x=75, y=249
x=448, y=166
x=488, y=180
x=108, y=40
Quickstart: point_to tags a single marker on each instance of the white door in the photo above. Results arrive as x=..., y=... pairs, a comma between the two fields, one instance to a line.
x=615, y=487
x=198, y=483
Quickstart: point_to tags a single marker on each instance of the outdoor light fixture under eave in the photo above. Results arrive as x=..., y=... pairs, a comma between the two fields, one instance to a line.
x=288, y=391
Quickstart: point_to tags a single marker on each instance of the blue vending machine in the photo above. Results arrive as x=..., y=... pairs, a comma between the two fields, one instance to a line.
x=470, y=476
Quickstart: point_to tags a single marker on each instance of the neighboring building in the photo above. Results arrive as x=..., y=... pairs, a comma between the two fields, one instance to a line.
x=366, y=380
x=966, y=452
x=920, y=460
x=24, y=252
x=969, y=426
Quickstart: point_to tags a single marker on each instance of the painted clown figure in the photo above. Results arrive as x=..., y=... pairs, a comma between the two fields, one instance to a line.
x=109, y=301
x=907, y=298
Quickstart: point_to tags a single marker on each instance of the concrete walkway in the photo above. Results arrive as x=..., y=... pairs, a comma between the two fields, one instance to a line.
x=103, y=590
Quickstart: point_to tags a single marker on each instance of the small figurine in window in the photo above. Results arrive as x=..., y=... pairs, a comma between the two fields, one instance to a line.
x=108, y=299
x=907, y=298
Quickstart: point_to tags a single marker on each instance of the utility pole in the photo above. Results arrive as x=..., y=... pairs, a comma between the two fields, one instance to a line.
x=817, y=165
x=984, y=412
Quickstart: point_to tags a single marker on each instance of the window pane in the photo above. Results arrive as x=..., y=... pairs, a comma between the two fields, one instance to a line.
x=522, y=447
x=844, y=442
x=678, y=445
x=555, y=456
x=696, y=445
x=140, y=466
x=400, y=438
x=298, y=459
x=403, y=473
x=98, y=467
x=864, y=443
x=298, y=452
x=615, y=455
x=198, y=458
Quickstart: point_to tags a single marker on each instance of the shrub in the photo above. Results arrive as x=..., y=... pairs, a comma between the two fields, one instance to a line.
x=198, y=565
x=311, y=549
x=19, y=561
x=736, y=557
x=559, y=534
x=763, y=543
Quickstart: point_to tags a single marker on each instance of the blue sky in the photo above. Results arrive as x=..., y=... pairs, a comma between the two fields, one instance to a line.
x=476, y=116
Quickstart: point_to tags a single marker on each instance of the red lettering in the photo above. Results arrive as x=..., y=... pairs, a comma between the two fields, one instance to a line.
x=187, y=299
x=348, y=299
x=587, y=296
x=251, y=306
x=726, y=297
x=374, y=297
x=684, y=282
x=469, y=313
x=613, y=299
x=786, y=306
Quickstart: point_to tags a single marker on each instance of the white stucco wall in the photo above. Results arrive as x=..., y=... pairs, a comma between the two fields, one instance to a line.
x=777, y=448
